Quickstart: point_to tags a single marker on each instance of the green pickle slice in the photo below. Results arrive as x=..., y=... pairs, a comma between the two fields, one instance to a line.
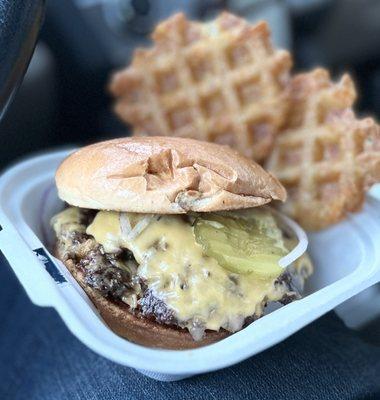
x=240, y=245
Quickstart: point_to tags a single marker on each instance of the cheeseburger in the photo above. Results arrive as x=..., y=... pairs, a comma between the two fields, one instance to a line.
x=172, y=240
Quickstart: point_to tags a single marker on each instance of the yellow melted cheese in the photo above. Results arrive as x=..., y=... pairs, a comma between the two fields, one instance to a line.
x=70, y=217
x=175, y=268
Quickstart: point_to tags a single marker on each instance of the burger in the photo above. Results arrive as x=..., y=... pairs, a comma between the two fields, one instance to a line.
x=173, y=240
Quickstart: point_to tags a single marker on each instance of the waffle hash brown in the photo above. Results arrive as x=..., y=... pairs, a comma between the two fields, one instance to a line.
x=326, y=157
x=220, y=82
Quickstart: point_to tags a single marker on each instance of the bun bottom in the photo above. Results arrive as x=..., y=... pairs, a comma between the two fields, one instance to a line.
x=137, y=328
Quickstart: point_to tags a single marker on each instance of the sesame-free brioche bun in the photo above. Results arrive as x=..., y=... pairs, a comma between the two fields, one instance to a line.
x=164, y=175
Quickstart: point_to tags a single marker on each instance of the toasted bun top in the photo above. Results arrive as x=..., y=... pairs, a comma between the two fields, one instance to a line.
x=163, y=175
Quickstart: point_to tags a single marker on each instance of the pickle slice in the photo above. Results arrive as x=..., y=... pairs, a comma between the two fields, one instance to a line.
x=239, y=245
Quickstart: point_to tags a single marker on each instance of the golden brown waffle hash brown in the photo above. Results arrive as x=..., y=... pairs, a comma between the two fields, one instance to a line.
x=220, y=81
x=326, y=157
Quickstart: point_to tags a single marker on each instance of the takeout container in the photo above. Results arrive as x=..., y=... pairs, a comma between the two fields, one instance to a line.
x=346, y=258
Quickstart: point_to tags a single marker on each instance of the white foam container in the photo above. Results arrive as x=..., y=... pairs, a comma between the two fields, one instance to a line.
x=346, y=257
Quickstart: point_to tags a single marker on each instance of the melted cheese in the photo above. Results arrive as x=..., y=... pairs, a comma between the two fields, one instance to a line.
x=175, y=268
x=70, y=218
x=106, y=230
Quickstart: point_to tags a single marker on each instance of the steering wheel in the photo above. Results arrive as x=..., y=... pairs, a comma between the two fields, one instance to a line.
x=20, y=22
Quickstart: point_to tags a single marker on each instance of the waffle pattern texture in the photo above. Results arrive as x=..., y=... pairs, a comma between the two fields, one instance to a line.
x=220, y=82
